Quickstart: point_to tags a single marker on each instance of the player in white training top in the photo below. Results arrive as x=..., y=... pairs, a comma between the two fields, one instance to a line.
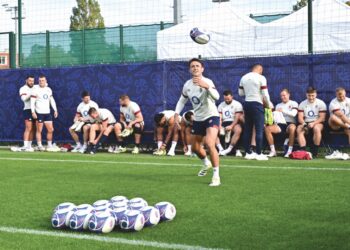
x=186, y=124
x=202, y=94
x=41, y=101
x=82, y=121
x=165, y=120
x=104, y=122
x=130, y=122
x=311, y=117
x=231, y=119
x=289, y=110
x=339, y=110
x=25, y=93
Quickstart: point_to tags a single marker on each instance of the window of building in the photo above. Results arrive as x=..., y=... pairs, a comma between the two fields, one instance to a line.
x=3, y=60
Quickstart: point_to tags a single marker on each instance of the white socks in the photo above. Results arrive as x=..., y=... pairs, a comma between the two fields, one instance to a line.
x=272, y=148
x=206, y=161
x=79, y=144
x=229, y=149
x=290, y=149
x=25, y=144
x=219, y=146
x=173, y=146
x=39, y=144
x=49, y=144
x=216, y=172
x=189, y=148
x=159, y=144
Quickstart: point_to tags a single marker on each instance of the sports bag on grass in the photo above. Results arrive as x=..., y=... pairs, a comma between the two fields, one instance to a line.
x=300, y=155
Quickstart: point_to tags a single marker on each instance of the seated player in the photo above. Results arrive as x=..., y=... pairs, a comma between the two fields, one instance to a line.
x=311, y=116
x=131, y=122
x=82, y=120
x=289, y=110
x=104, y=122
x=185, y=130
x=339, y=110
x=165, y=121
x=41, y=100
x=231, y=118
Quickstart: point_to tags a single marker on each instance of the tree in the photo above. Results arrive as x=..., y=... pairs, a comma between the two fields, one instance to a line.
x=300, y=4
x=348, y=3
x=87, y=15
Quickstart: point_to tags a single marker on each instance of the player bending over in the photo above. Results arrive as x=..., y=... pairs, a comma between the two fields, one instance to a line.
x=202, y=94
x=25, y=93
x=82, y=121
x=289, y=110
x=311, y=116
x=186, y=124
x=165, y=120
x=130, y=122
x=231, y=118
x=339, y=110
x=41, y=100
x=104, y=123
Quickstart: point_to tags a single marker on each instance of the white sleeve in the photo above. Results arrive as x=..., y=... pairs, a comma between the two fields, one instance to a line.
x=241, y=89
x=213, y=92
x=333, y=107
x=323, y=106
x=239, y=108
x=53, y=103
x=24, y=96
x=264, y=91
x=181, y=104
x=32, y=101
x=136, y=108
x=220, y=108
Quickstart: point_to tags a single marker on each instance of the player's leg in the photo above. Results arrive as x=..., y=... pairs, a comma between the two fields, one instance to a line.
x=248, y=129
x=301, y=137
x=159, y=136
x=174, y=141
x=210, y=138
x=92, y=136
x=86, y=133
x=291, y=130
x=49, y=132
x=138, y=130
x=237, y=131
x=188, y=141
x=336, y=123
x=118, y=128
x=269, y=132
x=258, y=120
x=317, y=137
x=347, y=132
x=75, y=137
x=28, y=134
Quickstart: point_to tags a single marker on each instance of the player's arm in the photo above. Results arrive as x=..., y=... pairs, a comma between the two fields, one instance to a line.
x=291, y=113
x=182, y=133
x=24, y=96
x=241, y=89
x=238, y=117
x=341, y=115
x=171, y=128
x=32, y=105
x=179, y=107
x=122, y=118
x=138, y=119
x=265, y=93
x=321, y=118
x=54, y=106
x=104, y=125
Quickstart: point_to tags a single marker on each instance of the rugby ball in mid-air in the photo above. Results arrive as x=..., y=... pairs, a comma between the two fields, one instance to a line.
x=101, y=222
x=199, y=36
x=151, y=215
x=167, y=210
x=59, y=217
x=80, y=219
x=132, y=220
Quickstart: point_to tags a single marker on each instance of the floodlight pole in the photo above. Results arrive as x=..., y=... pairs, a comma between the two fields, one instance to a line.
x=309, y=27
x=177, y=12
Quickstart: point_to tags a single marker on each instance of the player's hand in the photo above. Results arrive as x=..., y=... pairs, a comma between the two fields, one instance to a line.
x=81, y=119
x=34, y=116
x=55, y=114
x=311, y=124
x=200, y=82
x=95, y=142
x=279, y=110
x=163, y=147
x=129, y=126
x=229, y=128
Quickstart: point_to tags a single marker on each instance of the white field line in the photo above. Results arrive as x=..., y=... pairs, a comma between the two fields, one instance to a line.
x=111, y=240
x=170, y=164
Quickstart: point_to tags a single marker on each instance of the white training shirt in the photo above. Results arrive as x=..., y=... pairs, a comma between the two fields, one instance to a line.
x=343, y=106
x=41, y=99
x=83, y=109
x=130, y=111
x=312, y=110
x=168, y=114
x=202, y=100
x=103, y=115
x=25, y=92
x=289, y=110
x=254, y=87
x=229, y=111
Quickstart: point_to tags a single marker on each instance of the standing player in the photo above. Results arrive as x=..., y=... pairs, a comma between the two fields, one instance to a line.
x=41, y=100
x=289, y=110
x=104, y=122
x=231, y=117
x=25, y=93
x=186, y=124
x=339, y=110
x=311, y=116
x=166, y=120
x=82, y=120
x=202, y=94
x=131, y=119
x=254, y=87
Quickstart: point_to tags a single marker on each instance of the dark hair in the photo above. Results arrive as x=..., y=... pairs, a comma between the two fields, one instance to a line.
x=158, y=117
x=227, y=92
x=123, y=97
x=311, y=90
x=85, y=93
x=195, y=60
x=188, y=115
x=42, y=76
x=285, y=90
x=256, y=65
x=92, y=110
x=29, y=76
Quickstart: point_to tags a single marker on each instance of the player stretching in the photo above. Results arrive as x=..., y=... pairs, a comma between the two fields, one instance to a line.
x=25, y=94
x=202, y=94
x=185, y=131
x=253, y=87
x=41, y=100
x=82, y=120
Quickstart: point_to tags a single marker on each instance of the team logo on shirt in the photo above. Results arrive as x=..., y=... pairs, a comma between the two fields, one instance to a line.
x=45, y=96
x=85, y=113
x=195, y=100
x=227, y=113
x=311, y=113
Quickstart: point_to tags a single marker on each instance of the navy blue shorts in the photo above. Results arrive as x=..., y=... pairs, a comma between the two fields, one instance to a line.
x=44, y=118
x=226, y=124
x=27, y=115
x=200, y=127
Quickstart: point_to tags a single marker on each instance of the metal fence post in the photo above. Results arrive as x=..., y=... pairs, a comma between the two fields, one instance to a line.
x=161, y=25
x=83, y=46
x=12, y=50
x=48, y=48
x=309, y=27
x=19, y=33
x=121, y=41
